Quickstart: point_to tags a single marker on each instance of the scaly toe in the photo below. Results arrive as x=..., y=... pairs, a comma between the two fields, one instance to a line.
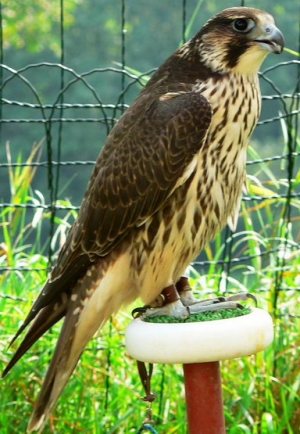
x=241, y=296
x=175, y=309
x=200, y=307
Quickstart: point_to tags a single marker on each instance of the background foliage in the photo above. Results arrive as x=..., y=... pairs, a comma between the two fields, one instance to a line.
x=69, y=69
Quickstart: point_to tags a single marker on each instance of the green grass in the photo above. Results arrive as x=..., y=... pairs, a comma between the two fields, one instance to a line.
x=201, y=316
x=261, y=392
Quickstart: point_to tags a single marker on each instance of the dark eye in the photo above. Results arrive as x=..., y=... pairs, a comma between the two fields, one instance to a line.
x=243, y=25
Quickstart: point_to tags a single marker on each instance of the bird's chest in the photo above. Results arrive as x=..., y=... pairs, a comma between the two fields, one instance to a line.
x=235, y=103
x=209, y=198
x=220, y=172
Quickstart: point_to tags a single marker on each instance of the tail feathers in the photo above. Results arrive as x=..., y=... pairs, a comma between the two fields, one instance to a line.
x=59, y=371
x=45, y=319
x=55, y=292
x=87, y=312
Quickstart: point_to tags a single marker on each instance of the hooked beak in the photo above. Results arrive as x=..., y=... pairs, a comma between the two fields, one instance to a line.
x=271, y=39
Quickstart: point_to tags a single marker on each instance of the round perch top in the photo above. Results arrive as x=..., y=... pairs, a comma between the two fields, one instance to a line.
x=197, y=342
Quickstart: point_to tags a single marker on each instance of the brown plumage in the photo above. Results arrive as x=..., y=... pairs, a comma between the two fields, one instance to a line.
x=168, y=178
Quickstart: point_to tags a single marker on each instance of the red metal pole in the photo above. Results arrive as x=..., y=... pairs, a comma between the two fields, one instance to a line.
x=204, y=398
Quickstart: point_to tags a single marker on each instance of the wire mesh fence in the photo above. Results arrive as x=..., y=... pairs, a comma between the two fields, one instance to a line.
x=35, y=110
x=56, y=114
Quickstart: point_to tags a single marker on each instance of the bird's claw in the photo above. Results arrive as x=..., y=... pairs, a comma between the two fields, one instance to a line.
x=139, y=311
x=188, y=304
x=175, y=309
x=241, y=296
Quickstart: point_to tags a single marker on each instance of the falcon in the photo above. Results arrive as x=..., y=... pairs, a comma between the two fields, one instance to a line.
x=169, y=176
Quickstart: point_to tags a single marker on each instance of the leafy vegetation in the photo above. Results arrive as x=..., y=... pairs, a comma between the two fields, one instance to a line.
x=93, y=46
x=261, y=392
x=33, y=24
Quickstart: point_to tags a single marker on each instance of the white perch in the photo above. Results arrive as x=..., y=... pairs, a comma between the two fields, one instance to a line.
x=198, y=342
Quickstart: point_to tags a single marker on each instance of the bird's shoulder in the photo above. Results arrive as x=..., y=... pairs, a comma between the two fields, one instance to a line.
x=145, y=154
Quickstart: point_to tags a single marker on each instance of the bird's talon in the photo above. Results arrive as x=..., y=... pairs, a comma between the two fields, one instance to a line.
x=252, y=297
x=194, y=305
x=139, y=311
x=175, y=309
x=241, y=296
x=220, y=299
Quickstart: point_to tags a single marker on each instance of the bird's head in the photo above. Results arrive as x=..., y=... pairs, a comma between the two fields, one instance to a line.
x=238, y=39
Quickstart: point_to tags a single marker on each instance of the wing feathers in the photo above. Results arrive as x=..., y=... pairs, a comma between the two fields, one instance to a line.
x=143, y=161
x=157, y=170
x=46, y=319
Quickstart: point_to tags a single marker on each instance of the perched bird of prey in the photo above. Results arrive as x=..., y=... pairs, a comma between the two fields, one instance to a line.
x=169, y=176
